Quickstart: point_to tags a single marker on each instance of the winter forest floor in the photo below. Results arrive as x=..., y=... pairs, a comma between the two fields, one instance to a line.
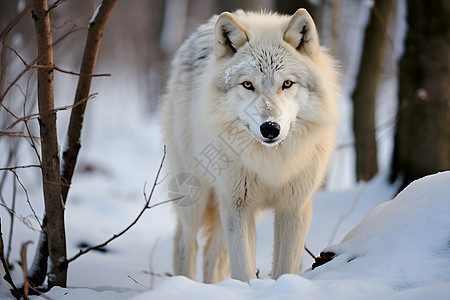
x=399, y=251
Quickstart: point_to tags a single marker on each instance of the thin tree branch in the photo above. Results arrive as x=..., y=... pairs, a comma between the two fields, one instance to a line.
x=15, y=52
x=95, y=34
x=11, y=222
x=27, y=68
x=69, y=72
x=15, y=292
x=27, y=197
x=51, y=111
x=4, y=36
x=19, y=167
x=55, y=5
x=16, y=20
x=23, y=260
x=146, y=206
x=309, y=252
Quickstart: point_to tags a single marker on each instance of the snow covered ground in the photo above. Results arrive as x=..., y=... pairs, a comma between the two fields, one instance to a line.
x=400, y=250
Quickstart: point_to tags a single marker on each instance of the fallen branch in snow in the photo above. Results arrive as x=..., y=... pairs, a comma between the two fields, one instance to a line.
x=137, y=282
x=146, y=206
x=323, y=259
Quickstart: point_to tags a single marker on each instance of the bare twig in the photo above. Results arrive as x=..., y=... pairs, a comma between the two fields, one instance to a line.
x=13, y=134
x=115, y=236
x=23, y=219
x=53, y=110
x=158, y=274
x=32, y=140
x=19, y=167
x=27, y=197
x=383, y=24
x=23, y=263
x=69, y=72
x=309, y=252
x=11, y=222
x=4, y=36
x=16, y=20
x=15, y=292
x=55, y=5
x=137, y=282
x=29, y=67
x=15, y=52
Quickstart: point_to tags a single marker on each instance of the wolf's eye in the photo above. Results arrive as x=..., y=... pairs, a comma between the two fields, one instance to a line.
x=248, y=85
x=287, y=84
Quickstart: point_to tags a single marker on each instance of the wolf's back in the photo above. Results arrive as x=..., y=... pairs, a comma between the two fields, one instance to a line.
x=182, y=91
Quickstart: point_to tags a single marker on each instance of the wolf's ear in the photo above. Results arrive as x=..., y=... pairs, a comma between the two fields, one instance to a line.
x=301, y=33
x=229, y=35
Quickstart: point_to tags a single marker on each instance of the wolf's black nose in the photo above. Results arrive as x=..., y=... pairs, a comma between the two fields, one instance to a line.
x=270, y=130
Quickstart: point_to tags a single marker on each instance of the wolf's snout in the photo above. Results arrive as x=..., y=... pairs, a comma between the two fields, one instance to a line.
x=270, y=130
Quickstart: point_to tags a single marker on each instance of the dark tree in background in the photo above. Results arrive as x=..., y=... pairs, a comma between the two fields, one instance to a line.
x=315, y=9
x=364, y=95
x=422, y=139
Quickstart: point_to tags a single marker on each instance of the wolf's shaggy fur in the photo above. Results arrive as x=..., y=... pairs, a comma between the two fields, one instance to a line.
x=233, y=74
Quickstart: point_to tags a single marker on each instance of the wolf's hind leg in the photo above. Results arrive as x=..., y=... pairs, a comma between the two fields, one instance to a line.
x=185, y=244
x=216, y=263
x=185, y=250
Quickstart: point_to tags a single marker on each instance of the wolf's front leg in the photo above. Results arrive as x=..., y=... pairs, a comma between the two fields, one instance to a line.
x=290, y=229
x=239, y=225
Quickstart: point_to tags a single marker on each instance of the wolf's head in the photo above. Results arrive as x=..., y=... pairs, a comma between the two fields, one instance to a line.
x=271, y=72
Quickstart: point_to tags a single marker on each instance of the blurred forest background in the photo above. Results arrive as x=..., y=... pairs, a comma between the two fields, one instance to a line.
x=141, y=37
x=395, y=81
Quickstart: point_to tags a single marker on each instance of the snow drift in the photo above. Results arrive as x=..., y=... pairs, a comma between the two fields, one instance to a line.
x=401, y=250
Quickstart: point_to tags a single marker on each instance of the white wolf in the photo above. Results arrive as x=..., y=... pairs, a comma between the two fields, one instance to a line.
x=250, y=111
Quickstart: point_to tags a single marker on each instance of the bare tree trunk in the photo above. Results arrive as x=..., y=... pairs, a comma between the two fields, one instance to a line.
x=365, y=92
x=336, y=6
x=422, y=138
x=95, y=33
x=51, y=177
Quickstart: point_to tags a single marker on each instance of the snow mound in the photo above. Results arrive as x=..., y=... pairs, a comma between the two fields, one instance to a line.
x=400, y=250
x=403, y=243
